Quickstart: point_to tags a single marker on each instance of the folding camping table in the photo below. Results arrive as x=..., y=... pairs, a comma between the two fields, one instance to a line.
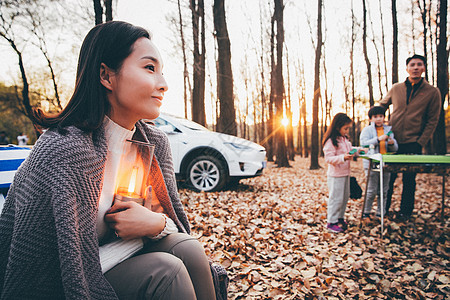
x=394, y=163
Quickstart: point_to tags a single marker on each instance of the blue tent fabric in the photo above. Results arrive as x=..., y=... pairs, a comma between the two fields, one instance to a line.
x=11, y=157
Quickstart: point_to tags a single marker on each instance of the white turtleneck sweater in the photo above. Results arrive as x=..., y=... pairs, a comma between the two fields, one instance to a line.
x=117, y=251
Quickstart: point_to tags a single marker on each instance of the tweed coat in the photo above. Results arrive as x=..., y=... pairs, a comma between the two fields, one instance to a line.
x=48, y=238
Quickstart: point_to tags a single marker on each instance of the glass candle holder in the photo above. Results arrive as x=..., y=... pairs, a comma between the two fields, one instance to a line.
x=133, y=174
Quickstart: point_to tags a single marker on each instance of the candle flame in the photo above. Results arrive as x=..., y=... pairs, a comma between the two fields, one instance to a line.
x=133, y=179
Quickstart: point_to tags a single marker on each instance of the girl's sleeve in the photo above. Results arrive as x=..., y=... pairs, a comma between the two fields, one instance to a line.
x=331, y=157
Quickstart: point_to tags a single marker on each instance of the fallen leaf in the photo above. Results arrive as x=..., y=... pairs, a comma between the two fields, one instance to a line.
x=309, y=273
x=269, y=232
x=444, y=279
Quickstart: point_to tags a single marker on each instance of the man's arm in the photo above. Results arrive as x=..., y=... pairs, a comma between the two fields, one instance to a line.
x=432, y=119
x=387, y=100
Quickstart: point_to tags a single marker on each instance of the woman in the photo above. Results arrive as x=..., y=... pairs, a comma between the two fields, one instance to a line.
x=58, y=209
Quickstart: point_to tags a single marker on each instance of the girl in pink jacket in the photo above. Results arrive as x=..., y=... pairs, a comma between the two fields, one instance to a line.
x=336, y=148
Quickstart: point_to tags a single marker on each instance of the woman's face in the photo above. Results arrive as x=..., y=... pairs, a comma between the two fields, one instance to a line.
x=345, y=129
x=136, y=91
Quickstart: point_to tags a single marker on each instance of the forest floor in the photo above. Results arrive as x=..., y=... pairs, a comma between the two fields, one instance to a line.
x=269, y=233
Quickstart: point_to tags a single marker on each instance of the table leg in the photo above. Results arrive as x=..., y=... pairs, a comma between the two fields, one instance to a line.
x=381, y=196
x=365, y=194
x=443, y=198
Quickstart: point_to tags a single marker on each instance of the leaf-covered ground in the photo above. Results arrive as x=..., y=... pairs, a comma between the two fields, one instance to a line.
x=269, y=233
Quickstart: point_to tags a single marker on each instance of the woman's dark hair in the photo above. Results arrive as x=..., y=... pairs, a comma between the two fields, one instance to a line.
x=109, y=43
x=332, y=133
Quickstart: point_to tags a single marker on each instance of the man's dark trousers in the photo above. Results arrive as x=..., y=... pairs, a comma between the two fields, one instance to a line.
x=409, y=182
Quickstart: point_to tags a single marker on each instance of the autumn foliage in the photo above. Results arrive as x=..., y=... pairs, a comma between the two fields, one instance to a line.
x=269, y=233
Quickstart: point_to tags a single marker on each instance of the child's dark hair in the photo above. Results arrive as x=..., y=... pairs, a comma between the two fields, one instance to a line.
x=332, y=133
x=418, y=57
x=376, y=110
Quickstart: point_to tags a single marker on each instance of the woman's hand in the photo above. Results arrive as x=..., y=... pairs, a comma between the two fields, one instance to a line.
x=131, y=220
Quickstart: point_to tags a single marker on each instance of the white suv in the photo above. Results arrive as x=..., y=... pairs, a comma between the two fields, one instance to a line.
x=207, y=160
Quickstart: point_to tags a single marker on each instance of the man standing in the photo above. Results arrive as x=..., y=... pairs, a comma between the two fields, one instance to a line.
x=416, y=108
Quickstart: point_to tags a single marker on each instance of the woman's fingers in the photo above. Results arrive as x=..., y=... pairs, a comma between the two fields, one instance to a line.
x=120, y=205
x=133, y=220
x=111, y=214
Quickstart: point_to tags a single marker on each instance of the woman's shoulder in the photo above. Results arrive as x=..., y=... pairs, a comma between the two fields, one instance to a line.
x=151, y=128
x=154, y=134
x=62, y=140
x=70, y=142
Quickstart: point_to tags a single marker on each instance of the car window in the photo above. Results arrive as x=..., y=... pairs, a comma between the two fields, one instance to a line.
x=192, y=125
x=161, y=122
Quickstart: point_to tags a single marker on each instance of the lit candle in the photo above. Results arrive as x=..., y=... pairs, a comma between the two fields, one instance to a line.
x=129, y=194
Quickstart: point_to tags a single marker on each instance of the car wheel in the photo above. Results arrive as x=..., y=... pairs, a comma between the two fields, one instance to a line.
x=206, y=173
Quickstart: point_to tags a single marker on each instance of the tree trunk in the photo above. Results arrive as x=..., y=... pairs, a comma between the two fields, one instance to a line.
x=244, y=118
x=352, y=69
x=98, y=10
x=431, y=44
x=26, y=103
x=108, y=10
x=55, y=85
x=262, y=126
x=327, y=105
x=186, y=83
x=299, y=130
x=198, y=91
x=439, y=138
x=280, y=134
x=375, y=45
x=302, y=127
x=227, y=117
x=42, y=45
x=270, y=121
x=299, y=146
x=262, y=131
x=413, y=31
x=305, y=127
x=366, y=56
x=288, y=109
x=315, y=125
x=423, y=13
x=394, y=43
x=255, y=122
x=383, y=43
